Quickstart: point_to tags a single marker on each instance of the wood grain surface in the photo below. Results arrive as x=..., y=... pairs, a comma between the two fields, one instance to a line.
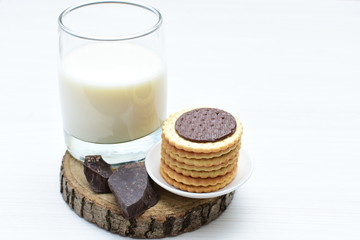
x=171, y=216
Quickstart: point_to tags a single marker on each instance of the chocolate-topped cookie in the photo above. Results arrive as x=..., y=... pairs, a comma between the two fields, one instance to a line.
x=172, y=136
x=205, y=125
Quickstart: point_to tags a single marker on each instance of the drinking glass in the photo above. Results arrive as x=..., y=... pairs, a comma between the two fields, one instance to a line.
x=112, y=79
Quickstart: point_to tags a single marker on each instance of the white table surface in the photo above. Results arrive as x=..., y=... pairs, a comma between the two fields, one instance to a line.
x=289, y=69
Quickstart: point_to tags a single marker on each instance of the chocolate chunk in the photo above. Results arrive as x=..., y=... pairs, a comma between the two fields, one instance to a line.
x=132, y=189
x=97, y=172
x=205, y=125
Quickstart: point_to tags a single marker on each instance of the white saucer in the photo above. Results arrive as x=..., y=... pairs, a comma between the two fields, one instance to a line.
x=152, y=164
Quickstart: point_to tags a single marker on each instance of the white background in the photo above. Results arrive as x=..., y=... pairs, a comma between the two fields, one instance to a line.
x=289, y=69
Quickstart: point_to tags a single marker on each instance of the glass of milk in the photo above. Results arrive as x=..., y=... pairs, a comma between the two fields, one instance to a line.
x=112, y=79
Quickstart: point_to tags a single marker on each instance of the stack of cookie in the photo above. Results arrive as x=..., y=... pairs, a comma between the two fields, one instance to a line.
x=200, y=149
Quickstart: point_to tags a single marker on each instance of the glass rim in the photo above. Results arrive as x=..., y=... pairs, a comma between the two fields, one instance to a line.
x=116, y=38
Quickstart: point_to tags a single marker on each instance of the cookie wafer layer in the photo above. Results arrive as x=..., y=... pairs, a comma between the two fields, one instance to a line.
x=209, y=167
x=196, y=189
x=206, y=161
x=201, y=174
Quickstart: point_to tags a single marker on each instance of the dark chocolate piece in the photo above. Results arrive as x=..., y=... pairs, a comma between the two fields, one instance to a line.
x=205, y=125
x=97, y=172
x=133, y=190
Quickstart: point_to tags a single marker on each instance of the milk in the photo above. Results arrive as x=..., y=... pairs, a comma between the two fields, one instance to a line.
x=112, y=92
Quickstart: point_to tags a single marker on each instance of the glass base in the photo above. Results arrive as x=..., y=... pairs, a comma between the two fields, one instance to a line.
x=114, y=154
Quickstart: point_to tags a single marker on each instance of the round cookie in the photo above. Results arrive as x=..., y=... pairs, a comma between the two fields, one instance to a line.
x=201, y=164
x=196, y=189
x=204, y=162
x=174, y=139
x=201, y=174
x=197, y=181
x=192, y=155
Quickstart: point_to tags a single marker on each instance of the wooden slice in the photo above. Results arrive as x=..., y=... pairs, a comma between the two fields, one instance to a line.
x=171, y=216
